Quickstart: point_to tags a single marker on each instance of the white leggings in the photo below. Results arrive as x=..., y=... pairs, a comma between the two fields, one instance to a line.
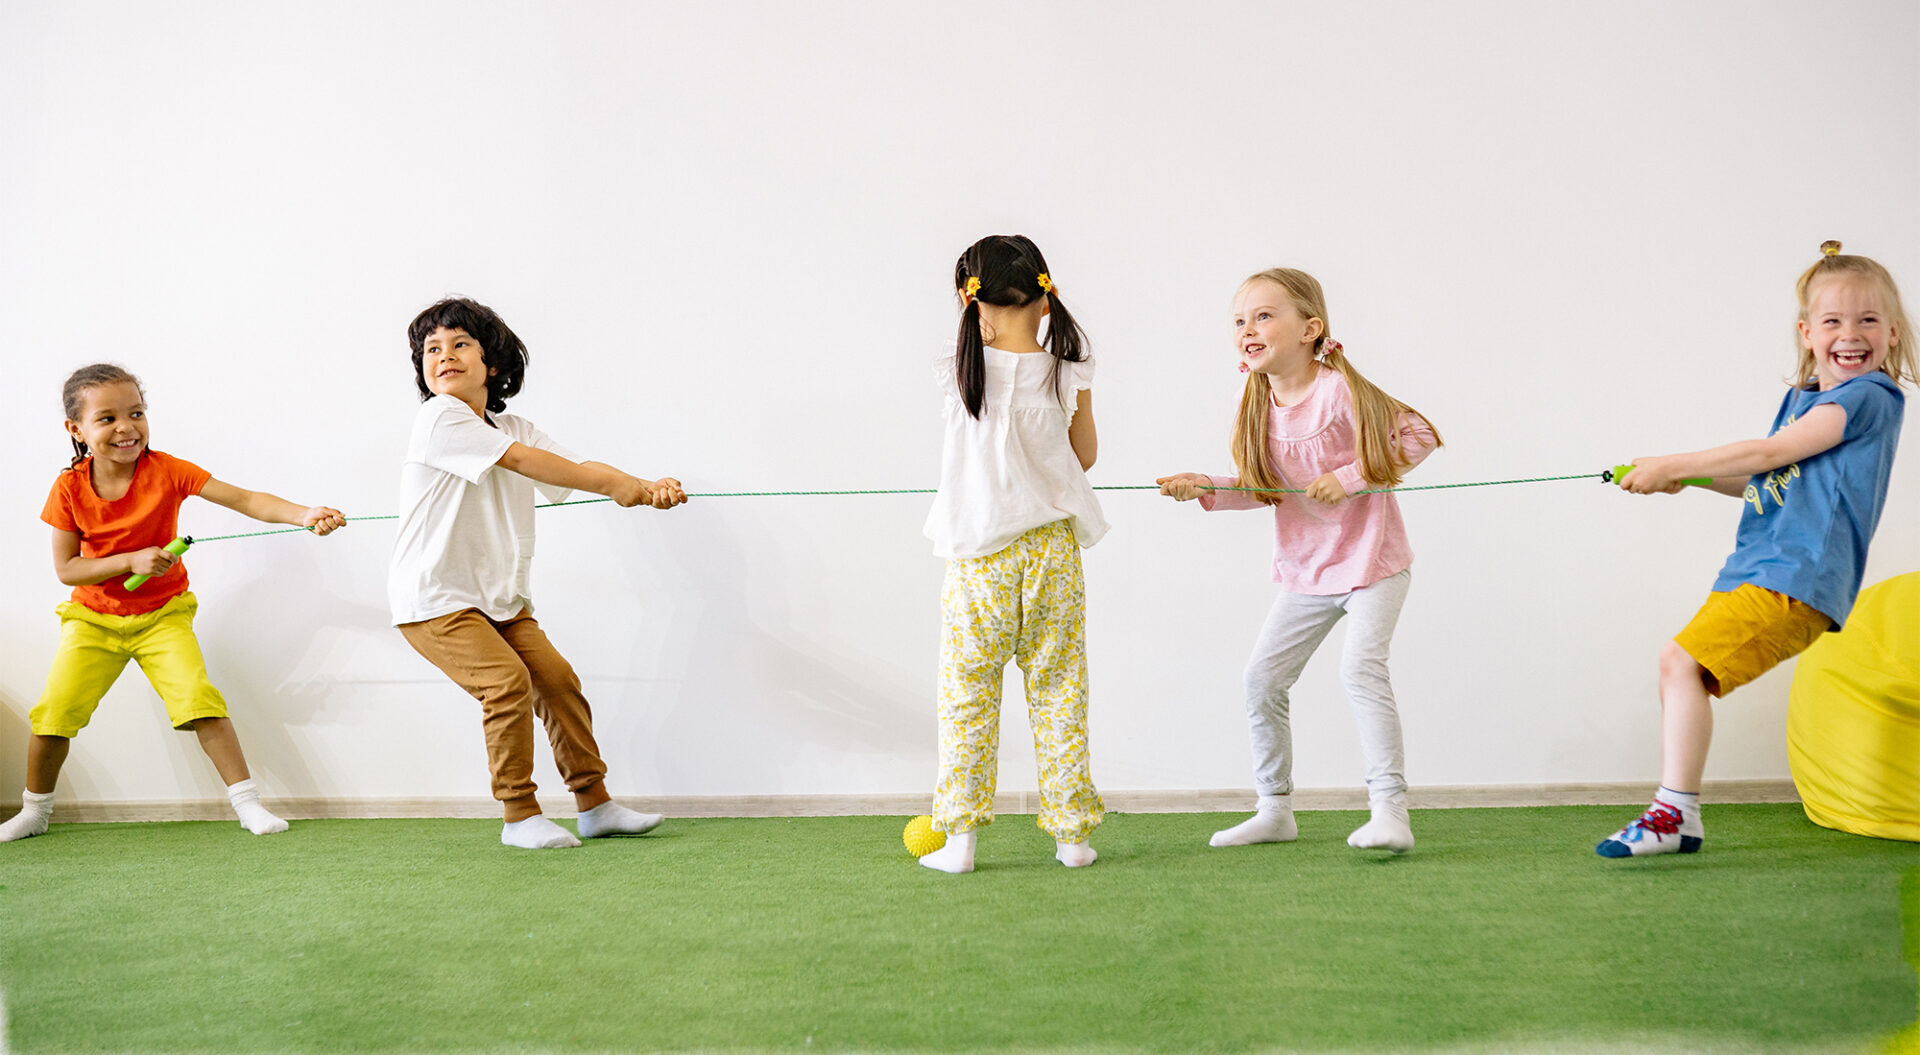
x=1294, y=628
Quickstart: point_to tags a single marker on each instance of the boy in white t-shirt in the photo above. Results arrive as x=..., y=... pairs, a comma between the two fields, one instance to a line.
x=458, y=581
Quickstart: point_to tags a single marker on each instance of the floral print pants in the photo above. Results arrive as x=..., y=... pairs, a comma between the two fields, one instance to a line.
x=1026, y=603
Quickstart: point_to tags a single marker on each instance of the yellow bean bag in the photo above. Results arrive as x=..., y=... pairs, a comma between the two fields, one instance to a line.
x=1853, y=717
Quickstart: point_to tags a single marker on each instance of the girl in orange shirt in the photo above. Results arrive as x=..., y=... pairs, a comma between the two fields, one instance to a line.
x=112, y=511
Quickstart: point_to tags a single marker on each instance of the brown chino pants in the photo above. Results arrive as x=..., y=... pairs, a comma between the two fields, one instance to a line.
x=516, y=674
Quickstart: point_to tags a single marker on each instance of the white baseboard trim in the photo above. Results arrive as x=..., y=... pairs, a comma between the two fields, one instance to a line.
x=1225, y=800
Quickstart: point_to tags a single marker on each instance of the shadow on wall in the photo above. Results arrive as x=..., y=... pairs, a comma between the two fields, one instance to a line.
x=76, y=781
x=276, y=656
x=760, y=703
x=731, y=686
x=14, y=731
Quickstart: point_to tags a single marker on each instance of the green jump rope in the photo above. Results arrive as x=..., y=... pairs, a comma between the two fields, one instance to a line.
x=1614, y=475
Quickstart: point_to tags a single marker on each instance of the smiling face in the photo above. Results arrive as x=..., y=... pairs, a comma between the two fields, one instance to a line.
x=1848, y=329
x=453, y=364
x=113, y=423
x=1268, y=329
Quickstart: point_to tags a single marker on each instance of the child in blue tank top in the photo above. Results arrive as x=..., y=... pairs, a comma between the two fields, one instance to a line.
x=1813, y=491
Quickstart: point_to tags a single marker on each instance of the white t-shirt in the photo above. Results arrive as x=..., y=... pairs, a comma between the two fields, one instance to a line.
x=466, y=524
x=1011, y=469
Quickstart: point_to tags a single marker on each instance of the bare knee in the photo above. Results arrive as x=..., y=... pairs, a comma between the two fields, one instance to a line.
x=1677, y=663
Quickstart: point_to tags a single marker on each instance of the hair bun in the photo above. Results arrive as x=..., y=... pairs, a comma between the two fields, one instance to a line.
x=1830, y=248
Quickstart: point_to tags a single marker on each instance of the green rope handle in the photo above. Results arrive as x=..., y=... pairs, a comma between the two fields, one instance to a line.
x=1619, y=473
x=929, y=490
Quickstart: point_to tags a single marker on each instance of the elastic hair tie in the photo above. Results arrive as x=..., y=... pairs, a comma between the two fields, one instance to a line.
x=973, y=286
x=1333, y=346
x=1046, y=284
x=1830, y=248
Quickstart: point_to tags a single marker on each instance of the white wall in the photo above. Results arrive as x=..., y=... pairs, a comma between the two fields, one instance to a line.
x=1568, y=233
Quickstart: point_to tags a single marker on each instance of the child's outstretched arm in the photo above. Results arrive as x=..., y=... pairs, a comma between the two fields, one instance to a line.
x=1185, y=487
x=1214, y=492
x=74, y=570
x=1729, y=465
x=600, y=478
x=273, y=509
x=1081, y=435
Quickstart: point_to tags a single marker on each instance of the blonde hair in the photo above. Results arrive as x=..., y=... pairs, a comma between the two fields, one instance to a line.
x=1376, y=415
x=1901, y=365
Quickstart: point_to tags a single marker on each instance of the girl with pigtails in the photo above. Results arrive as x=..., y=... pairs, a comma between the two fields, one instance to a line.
x=1813, y=491
x=1309, y=422
x=1013, y=510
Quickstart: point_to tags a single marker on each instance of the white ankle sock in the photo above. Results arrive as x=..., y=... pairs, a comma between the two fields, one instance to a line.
x=537, y=833
x=611, y=818
x=1687, y=802
x=253, y=816
x=32, y=818
x=1272, y=822
x=1075, y=855
x=1671, y=825
x=955, y=857
x=1386, y=830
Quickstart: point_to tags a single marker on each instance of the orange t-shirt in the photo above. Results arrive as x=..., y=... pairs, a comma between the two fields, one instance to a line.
x=147, y=515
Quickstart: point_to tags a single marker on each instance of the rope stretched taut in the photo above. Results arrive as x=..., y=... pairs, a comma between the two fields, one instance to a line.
x=928, y=490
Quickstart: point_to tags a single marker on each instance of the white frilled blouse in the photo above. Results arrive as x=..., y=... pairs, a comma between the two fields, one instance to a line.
x=1011, y=469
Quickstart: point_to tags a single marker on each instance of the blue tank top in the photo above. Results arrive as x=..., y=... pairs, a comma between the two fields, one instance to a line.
x=1805, y=528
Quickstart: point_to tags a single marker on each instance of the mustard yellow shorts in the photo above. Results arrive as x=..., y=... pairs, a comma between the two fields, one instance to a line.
x=1741, y=634
x=94, y=649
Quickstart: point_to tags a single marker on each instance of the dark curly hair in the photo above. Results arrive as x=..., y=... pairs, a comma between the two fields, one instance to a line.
x=500, y=348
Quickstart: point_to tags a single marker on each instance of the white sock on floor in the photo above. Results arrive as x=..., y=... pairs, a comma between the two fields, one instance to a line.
x=1671, y=825
x=253, y=816
x=1386, y=830
x=611, y=818
x=32, y=818
x=1687, y=802
x=537, y=833
x=955, y=857
x=1075, y=855
x=1272, y=822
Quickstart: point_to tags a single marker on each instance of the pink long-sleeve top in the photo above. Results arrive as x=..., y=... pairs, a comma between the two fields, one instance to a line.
x=1317, y=548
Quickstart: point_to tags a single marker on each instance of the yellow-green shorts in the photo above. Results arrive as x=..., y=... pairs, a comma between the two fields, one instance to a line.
x=1742, y=633
x=94, y=649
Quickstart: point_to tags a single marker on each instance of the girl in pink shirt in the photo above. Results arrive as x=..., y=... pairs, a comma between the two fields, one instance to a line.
x=1309, y=422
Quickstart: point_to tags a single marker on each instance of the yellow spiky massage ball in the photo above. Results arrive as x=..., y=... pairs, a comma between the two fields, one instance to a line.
x=920, y=837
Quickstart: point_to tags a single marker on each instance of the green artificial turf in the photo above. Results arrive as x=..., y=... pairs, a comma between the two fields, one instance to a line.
x=1501, y=932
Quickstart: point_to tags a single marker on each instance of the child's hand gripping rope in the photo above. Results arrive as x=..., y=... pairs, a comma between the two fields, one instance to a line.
x=1646, y=483
x=321, y=520
x=156, y=561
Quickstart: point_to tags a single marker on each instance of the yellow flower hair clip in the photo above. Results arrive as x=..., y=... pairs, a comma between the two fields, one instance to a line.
x=1046, y=284
x=1830, y=248
x=973, y=286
